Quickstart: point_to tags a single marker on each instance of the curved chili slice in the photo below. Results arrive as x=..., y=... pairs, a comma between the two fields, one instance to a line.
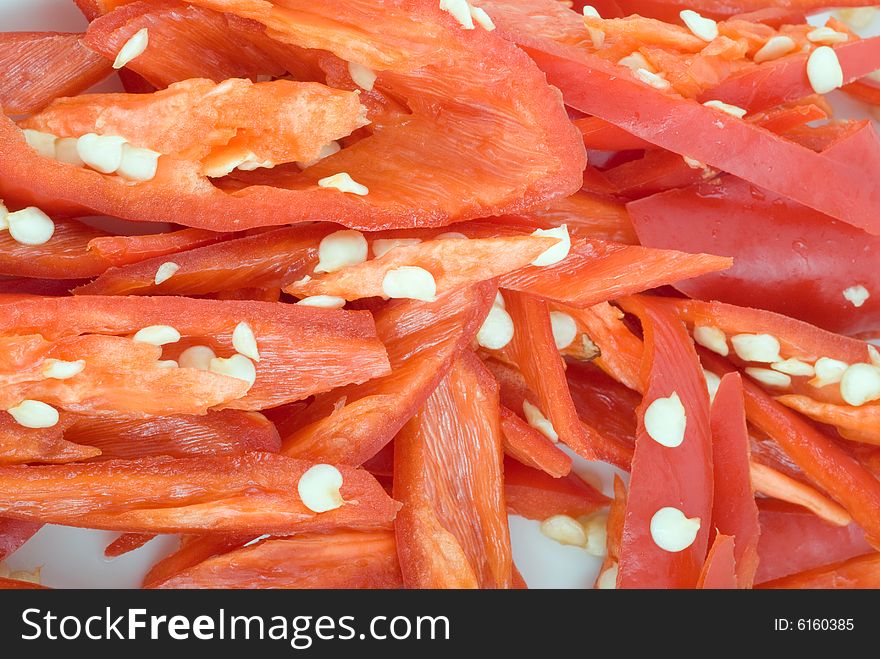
x=861, y=572
x=596, y=270
x=301, y=351
x=416, y=53
x=350, y=425
x=448, y=473
x=452, y=263
x=734, y=513
x=127, y=542
x=122, y=250
x=536, y=495
x=255, y=492
x=218, y=46
x=227, y=432
x=342, y=559
x=678, y=476
x=529, y=447
x=824, y=461
x=719, y=570
x=64, y=256
x=264, y=260
x=38, y=67
x=193, y=550
x=19, y=445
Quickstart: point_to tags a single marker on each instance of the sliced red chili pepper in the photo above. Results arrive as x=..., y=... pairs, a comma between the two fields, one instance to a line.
x=801, y=261
x=212, y=128
x=215, y=45
x=14, y=533
x=719, y=570
x=534, y=351
x=825, y=462
x=227, y=432
x=448, y=472
x=859, y=424
x=332, y=348
x=255, y=492
x=343, y=559
x=778, y=485
x=596, y=270
x=734, y=513
x=265, y=260
x=455, y=114
x=608, y=406
x=620, y=351
x=452, y=263
x=194, y=549
x=530, y=448
x=586, y=214
x=41, y=66
x=122, y=250
x=352, y=424
x=607, y=578
x=794, y=540
x=656, y=171
x=127, y=542
x=535, y=495
x=824, y=182
x=63, y=257
x=782, y=80
x=19, y=445
x=796, y=338
x=861, y=572
x=601, y=135
x=677, y=477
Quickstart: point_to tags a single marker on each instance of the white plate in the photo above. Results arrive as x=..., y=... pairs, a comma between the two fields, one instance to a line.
x=74, y=558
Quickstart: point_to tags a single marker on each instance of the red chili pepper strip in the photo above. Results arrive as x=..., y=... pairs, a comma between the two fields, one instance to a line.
x=255, y=492
x=343, y=559
x=264, y=260
x=678, y=477
x=529, y=447
x=448, y=473
x=194, y=549
x=333, y=348
x=127, y=542
x=823, y=460
x=65, y=256
x=350, y=425
x=861, y=572
x=734, y=512
x=596, y=270
x=535, y=495
x=185, y=42
x=719, y=570
x=227, y=432
x=122, y=250
x=38, y=67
